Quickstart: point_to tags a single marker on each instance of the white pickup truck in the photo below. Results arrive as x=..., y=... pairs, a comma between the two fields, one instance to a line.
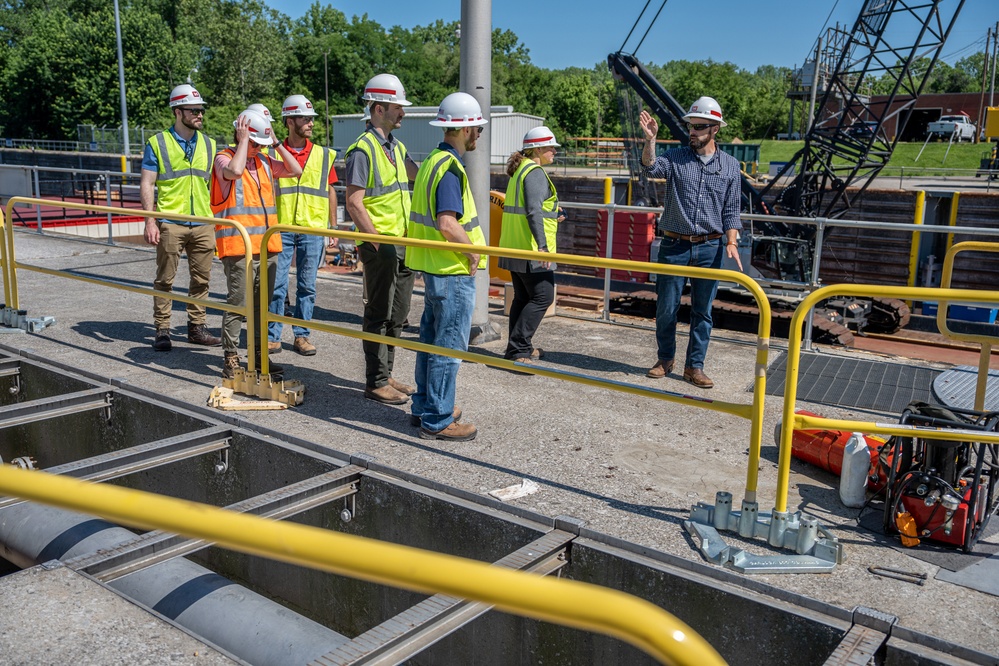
x=960, y=127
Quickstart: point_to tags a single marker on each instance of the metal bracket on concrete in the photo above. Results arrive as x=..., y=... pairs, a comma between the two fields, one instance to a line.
x=19, y=319
x=870, y=631
x=817, y=550
x=253, y=383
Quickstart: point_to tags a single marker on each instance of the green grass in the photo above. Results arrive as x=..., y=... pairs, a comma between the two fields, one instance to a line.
x=931, y=162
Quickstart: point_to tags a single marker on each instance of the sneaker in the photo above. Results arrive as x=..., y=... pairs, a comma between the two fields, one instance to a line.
x=229, y=364
x=198, y=334
x=697, y=377
x=400, y=387
x=162, y=340
x=302, y=346
x=416, y=421
x=273, y=346
x=386, y=395
x=660, y=369
x=454, y=432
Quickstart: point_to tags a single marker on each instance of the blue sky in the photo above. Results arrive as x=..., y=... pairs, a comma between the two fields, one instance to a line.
x=560, y=33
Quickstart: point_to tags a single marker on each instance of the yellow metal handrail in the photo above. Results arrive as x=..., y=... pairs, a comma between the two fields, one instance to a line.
x=791, y=421
x=753, y=411
x=571, y=603
x=10, y=283
x=986, y=341
x=3, y=258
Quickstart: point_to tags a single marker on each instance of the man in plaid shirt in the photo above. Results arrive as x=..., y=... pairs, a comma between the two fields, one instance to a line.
x=700, y=223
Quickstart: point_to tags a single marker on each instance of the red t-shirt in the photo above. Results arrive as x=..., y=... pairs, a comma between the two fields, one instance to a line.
x=302, y=156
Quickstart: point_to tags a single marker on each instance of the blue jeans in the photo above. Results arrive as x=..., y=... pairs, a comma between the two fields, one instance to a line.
x=678, y=252
x=309, y=250
x=448, y=301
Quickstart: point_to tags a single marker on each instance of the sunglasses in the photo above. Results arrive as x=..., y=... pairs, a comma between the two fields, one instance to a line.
x=699, y=127
x=479, y=130
x=193, y=112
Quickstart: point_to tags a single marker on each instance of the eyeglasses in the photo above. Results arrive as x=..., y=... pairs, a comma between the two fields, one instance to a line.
x=699, y=127
x=480, y=129
x=193, y=112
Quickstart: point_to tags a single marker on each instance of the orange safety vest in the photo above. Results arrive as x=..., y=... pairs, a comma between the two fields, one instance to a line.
x=252, y=205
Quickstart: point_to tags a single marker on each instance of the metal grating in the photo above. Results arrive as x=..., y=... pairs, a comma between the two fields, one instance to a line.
x=957, y=388
x=851, y=382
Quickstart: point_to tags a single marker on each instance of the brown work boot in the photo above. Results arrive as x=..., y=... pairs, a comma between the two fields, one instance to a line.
x=198, y=334
x=400, y=387
x=660, y=369
x=229, y=364
x=273, y=346
x=697, y=377
x=162, y=340
x=415, y=420
x=454, y=432
x=304, y=347
x=537, y=353
x=386, y=395
x=272, y=368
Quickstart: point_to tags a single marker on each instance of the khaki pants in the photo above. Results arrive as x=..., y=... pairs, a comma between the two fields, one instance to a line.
x=198, y=242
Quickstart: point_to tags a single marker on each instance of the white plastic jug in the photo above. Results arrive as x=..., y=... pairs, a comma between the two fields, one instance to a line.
x=856, y=467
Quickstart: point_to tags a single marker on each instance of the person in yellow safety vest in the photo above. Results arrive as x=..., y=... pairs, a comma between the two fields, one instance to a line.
x=307, y=201
x=378, y=200
x=530, y=222
x=243, y=191
x=178, y=162
x=444, y=211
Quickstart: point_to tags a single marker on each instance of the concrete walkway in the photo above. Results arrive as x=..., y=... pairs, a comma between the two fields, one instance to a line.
x=629, y=466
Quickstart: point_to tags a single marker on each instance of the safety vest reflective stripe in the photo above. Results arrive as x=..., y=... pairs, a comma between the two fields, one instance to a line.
x=386, y=193
x=421, y=219
x=304, y=201
x=182, y=184
x=251, y=204
x=515, y=231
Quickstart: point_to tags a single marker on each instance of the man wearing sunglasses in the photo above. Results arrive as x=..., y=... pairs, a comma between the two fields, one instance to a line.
x=178, y=162
x=699, y=225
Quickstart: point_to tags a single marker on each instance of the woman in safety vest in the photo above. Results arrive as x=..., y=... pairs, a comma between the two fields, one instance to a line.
x=530, y=222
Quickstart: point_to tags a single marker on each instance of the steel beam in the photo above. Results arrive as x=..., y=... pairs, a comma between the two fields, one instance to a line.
x=417, y=628
x=49, y=408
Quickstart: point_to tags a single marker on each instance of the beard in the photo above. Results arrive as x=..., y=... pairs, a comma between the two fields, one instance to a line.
x=699, y=142
x=193, y=124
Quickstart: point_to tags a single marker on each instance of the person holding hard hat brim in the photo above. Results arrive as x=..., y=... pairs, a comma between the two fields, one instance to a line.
x=308, y=200
x=176, y=166
x=243, y=189
x=699, y=226
x=378, y=201
x=531, y=216
x=443, y=210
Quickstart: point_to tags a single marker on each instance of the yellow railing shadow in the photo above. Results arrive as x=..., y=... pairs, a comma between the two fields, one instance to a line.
x=10, y=282
x=571, y=603
x=791, y=421
x=753, y=411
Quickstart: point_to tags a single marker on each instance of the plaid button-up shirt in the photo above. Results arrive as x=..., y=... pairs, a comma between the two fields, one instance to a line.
x=700, y=198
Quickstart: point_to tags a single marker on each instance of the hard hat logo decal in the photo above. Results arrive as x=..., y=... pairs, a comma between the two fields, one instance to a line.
x=308, y=105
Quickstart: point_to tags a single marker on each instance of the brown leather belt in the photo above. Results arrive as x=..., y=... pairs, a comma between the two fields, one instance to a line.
x=694, y=239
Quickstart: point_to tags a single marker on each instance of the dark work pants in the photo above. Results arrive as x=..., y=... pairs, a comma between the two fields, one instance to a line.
x=388, y=289
x=533, y=293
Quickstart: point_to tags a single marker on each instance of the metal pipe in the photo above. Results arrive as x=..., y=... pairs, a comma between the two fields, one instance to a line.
x=121, y=78
x=214, y=608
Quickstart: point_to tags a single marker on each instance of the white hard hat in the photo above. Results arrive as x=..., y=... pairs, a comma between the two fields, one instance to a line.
x=385, y=88
x=297, y=105
x=259, y=127
x=185, y=94
x=262, y=110
x=539, y=137
x=706, y=108
x=459, y=110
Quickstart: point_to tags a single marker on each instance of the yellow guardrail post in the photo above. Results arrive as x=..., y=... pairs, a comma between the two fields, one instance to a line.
x=986, y=341
x=13, y=264
x=791, y=421
x=4, y=262
x=571, y=603
x=917, y=218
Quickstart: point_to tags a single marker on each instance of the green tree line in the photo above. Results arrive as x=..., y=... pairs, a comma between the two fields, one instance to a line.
x=58, y=68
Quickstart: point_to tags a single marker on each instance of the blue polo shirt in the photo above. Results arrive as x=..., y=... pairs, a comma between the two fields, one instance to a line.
x=449, y=189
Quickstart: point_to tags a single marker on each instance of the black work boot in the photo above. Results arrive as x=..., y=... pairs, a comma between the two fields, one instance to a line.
x=162, y=340
x=198, y=334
